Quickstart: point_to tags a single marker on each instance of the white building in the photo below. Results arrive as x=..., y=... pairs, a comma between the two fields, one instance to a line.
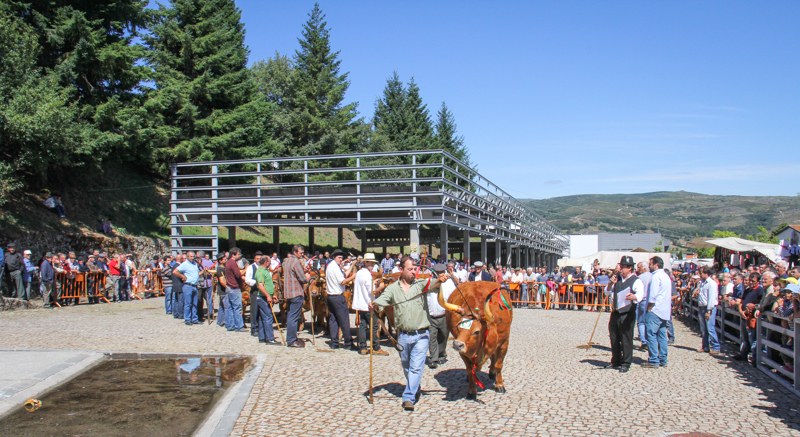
x=582, y=245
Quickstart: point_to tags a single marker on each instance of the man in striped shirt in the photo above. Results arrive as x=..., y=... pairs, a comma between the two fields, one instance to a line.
x=294, y=277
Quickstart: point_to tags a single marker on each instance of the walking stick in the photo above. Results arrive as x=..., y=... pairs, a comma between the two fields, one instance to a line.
x=589, y=344
x=274, y=317
x=311, y=304
x=371, y=337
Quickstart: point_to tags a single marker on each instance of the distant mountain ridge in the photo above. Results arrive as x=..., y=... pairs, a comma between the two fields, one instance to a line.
x=676, y=214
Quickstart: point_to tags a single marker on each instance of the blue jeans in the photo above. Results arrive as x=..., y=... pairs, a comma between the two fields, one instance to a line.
x=524, y=288
x=168, y=299
x=656, y=338
x=412, y=358
x=295, y=311
x=264, y=316
x=177, y=302
x=233, y=314
x=709, y=329
x=190, y=303
x=641, y=323
x=670, y=330
x=222, y=315
x=209, y=295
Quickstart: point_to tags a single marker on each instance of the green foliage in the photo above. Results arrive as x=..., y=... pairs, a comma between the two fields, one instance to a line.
x=205, y=105
x=659, y=247
x=724, y=234
x=707, y=252
x=446, y=137
x=8, y=183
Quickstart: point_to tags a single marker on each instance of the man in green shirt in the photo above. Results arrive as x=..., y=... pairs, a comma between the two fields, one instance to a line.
x=411, y=319
x=263, y=296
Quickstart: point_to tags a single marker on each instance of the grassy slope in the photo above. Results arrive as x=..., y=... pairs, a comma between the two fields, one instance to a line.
x=677, y=214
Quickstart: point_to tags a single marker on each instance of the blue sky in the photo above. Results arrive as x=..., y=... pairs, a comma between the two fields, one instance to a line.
x=560, y=98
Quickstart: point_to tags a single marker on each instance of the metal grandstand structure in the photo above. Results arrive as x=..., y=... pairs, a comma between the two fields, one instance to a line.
x=395, y=199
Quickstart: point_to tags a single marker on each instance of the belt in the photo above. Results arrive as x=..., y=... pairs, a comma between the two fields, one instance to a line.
x=415, y=332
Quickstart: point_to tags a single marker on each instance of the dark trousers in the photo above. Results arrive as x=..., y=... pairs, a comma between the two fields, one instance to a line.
x=365, y=317
x=340, y=317
x=620, y=329
x=177, y=303
x=293, y=318
x=437, y=346
x=17, y=289
x=201, y=296
x=254, y=313
x=263, y=318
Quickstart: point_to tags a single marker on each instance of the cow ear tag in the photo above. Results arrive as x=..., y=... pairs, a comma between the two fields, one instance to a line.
x=465, y=324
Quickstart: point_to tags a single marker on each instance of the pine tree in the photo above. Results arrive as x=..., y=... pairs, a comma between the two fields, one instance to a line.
x=322, y=123
x=205, y=105
x=419, y=135
x=446, y=137
x=390, y=121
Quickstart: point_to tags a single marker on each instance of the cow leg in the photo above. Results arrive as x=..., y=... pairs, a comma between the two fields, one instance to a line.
x=472, y=390
x=496, y=370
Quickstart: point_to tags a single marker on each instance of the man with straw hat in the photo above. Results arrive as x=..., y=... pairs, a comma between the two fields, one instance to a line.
x=362, y=297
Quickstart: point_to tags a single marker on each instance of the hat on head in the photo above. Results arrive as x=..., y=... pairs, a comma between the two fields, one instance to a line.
x=516, y=269
x=627, y=261
x=369, y=257
x=220, y=255
x=11, y=244
x=794, y=288
x=695, y=276
x=478, y=264
x=258, y=252
x=790, y=280
x=48, y=255
x=337, y=252
x=28, y=252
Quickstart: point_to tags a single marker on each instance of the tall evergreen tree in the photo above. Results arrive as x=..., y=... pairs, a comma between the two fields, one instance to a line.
x=446, y=137
x=419, y=134
x=390, y=121
x=205, y=105
x=322, y=123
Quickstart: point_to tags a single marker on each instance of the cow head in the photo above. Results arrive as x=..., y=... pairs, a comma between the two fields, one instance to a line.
x=473, y=330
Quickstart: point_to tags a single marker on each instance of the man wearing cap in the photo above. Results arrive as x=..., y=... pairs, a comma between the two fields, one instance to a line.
x=48, y=277
x=396, y=268
x=27, y=273
x=437, y=347
x=362, y=296
x=479, y=274
x=336, y=280
x=411, y=318
x=250, y=279
x=625, y=290
x=15, y=266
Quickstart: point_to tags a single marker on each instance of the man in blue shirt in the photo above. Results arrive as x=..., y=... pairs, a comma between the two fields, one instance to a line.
x=189, y=274
x=47, y=275
x=659, y=309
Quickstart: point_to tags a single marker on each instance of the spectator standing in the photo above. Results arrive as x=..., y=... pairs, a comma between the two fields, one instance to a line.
x=166, y=283
x=294, y=277
x=641, y=309
x=516, y=284
x=274, y=263
x=362, y=297
x=250, y=280
x=178, y=303
x=189, y=274
x=336, y=281
x=222, y=313
x=658, y=313
x=15, y=266
x=28, y=271
x=205, y=292
x=707, y=300
x=2, y=267
x=479, y=274
x=531, y=288
x=387, y=264
x=233, y=291
x=626, y=290
x=48, y=276
x=112, y=284
x=437, y=345
x=262, y=299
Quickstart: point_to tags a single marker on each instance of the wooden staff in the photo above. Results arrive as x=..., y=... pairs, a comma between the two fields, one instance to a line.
x=371, y=337
x=274, y=317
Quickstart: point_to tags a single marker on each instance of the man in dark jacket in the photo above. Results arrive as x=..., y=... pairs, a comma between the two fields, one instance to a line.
x=48, y=277
x=15, y=265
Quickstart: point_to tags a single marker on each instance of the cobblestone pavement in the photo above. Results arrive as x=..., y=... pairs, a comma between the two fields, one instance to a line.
x=553, y=387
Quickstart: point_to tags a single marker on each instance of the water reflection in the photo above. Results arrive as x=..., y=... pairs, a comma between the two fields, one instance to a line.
x=132, y=397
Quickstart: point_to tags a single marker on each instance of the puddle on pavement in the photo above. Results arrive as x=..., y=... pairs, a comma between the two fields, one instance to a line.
x=159, y=397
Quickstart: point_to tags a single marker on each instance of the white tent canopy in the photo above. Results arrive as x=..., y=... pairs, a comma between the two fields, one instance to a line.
x=742, y=245
x=610, y=259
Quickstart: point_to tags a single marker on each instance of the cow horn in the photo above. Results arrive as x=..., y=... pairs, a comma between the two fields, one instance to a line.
x=445, y=305
x=487, y=311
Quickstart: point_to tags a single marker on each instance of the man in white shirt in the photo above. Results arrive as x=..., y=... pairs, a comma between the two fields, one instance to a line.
x=657, y=315
x=274, y=263
x=707, y=299
x=362, y=296
x=337, y=304
x=437, y=346
x=250, y=279
x=521, y=294
x=396, y=268
x=626, y=290
x=462, y=272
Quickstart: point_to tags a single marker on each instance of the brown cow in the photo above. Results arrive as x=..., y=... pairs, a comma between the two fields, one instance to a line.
x=481, y=327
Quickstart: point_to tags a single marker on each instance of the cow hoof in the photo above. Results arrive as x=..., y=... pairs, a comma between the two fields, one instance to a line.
x=472, y=396
x=500, y=390
x=492, y=377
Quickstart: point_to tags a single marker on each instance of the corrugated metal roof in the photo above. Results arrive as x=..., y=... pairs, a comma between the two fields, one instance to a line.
x=629, y=242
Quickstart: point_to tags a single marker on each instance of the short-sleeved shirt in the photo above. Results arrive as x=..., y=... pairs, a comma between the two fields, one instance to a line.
x=334, y=277
x=190, y=270
x=264, y=276
x=408, y=316
x=220, y=274
x=434, y=308
x=362, y=290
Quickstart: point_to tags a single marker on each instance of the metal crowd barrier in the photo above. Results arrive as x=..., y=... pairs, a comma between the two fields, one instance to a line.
x=76, y=285
x=147, y=282
x=565, y=295
x=773, y=345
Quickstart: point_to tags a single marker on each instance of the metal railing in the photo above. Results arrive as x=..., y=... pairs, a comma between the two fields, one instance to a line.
x=413, y=187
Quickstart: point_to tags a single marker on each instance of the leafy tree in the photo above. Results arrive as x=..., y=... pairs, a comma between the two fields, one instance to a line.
x=205, y=105
x=724, y=234
x=38, y=127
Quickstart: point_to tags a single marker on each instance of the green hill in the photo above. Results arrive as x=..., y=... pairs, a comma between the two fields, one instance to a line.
x=677, y=214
